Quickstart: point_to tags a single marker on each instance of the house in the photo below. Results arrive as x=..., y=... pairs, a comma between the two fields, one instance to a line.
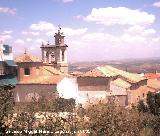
x=7, y=67
x=106, y=81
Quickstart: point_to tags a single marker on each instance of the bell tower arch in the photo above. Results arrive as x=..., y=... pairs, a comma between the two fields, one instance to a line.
x=56, y=54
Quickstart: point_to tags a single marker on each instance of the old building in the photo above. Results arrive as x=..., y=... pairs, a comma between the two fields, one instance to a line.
x=56, y=55
x=7, y=67
x=106, y=81
x=35, y=79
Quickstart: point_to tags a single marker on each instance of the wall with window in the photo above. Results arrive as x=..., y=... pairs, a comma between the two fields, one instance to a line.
x=28, y=70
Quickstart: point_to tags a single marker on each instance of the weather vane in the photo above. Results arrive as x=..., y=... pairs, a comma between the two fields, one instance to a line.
x=59, y=28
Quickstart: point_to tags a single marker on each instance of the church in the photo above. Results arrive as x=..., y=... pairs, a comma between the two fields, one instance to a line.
x=41, y=77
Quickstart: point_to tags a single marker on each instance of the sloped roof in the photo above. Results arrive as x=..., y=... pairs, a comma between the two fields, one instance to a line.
x=50, y=70
x=152, y=83
x=49, y=75
x=121, y=83
x=55, y=79
x=110, y=71
x=27, y=58
x=93, y=73
x=152, y=75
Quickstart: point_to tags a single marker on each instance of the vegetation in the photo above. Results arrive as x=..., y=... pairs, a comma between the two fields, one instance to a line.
x=6, y=106
x=98, y=119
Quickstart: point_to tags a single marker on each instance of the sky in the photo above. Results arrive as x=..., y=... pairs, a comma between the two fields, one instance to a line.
x=95, y=30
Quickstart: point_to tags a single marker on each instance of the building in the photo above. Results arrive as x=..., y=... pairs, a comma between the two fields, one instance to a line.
x=106, y=81
x=37, y=78
x=56, y=55
x=7, y=67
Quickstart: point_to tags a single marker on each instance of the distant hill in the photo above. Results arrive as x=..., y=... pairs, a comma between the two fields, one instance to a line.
x=130, y=65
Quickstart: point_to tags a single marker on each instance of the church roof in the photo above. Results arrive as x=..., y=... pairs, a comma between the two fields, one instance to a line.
x=109, y=71
x=27, y=58
x=43, y=79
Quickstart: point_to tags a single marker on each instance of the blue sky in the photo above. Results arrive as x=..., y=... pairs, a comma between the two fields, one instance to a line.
x=95, y=29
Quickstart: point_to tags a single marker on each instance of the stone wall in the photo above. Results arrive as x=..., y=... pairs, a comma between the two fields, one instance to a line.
x=25, y=92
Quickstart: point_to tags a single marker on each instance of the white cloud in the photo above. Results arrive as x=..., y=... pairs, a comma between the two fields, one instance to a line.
x=28, y=39
x=120, y=15
x=72, y=32
x=39, y=41
x=31, y=33
x=5, y=37
x=140, y=30
x=19, y=41
x=157, y=4
x=65, y=1
x=6, y=10
x=7, y=32
x=43, y=26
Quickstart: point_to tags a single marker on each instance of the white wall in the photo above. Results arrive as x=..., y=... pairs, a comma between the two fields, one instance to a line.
x=68, y=88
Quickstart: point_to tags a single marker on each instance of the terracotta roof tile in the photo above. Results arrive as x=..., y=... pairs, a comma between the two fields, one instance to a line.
x=152, y=75
x=44, y=80
x=93, y=73
x=27, y=58
x=152, y=83
x=121, y=83
x=111, y=71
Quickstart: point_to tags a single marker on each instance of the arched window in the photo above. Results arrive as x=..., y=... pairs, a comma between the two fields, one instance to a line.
x=26, y=71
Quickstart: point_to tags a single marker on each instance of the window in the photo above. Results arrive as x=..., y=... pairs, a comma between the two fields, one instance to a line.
x=62, y=55
x=143, y=95
x=26, y=71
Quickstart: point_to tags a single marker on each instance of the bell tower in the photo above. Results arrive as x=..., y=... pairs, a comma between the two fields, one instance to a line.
x=61, y=51
x=56, y=54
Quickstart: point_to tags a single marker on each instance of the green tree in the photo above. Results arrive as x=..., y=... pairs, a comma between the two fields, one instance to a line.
x=142, y=107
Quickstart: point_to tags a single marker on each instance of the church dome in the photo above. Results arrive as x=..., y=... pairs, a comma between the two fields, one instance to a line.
x=27, y=58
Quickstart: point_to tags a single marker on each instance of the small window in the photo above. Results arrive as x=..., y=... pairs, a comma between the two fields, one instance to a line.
x=26, y=71
x=143, y=95
x=62, y=55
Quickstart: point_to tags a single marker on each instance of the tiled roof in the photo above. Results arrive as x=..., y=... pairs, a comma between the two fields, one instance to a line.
x=50, y=70
x=27, y=58
x=44, y=80
x=121, y=83
x=152, y=83
x=76, y=73
x=110, y=71
x=93, y=73
x=152, y=75
x=49, y=75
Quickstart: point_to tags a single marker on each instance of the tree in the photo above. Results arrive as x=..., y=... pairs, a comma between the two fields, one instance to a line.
x=142, y=107
x=6, y=106
x=153, y=102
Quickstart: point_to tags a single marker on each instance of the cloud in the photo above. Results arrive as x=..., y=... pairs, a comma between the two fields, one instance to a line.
x=157, y=4
x=121, y=15
x=5, y=35
x=6, y=10
x=7, y=32
x=43, y=26
x=66, y=1
x=31, y=33
x=28, y=39
x=140, y=30
x=19, y=41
